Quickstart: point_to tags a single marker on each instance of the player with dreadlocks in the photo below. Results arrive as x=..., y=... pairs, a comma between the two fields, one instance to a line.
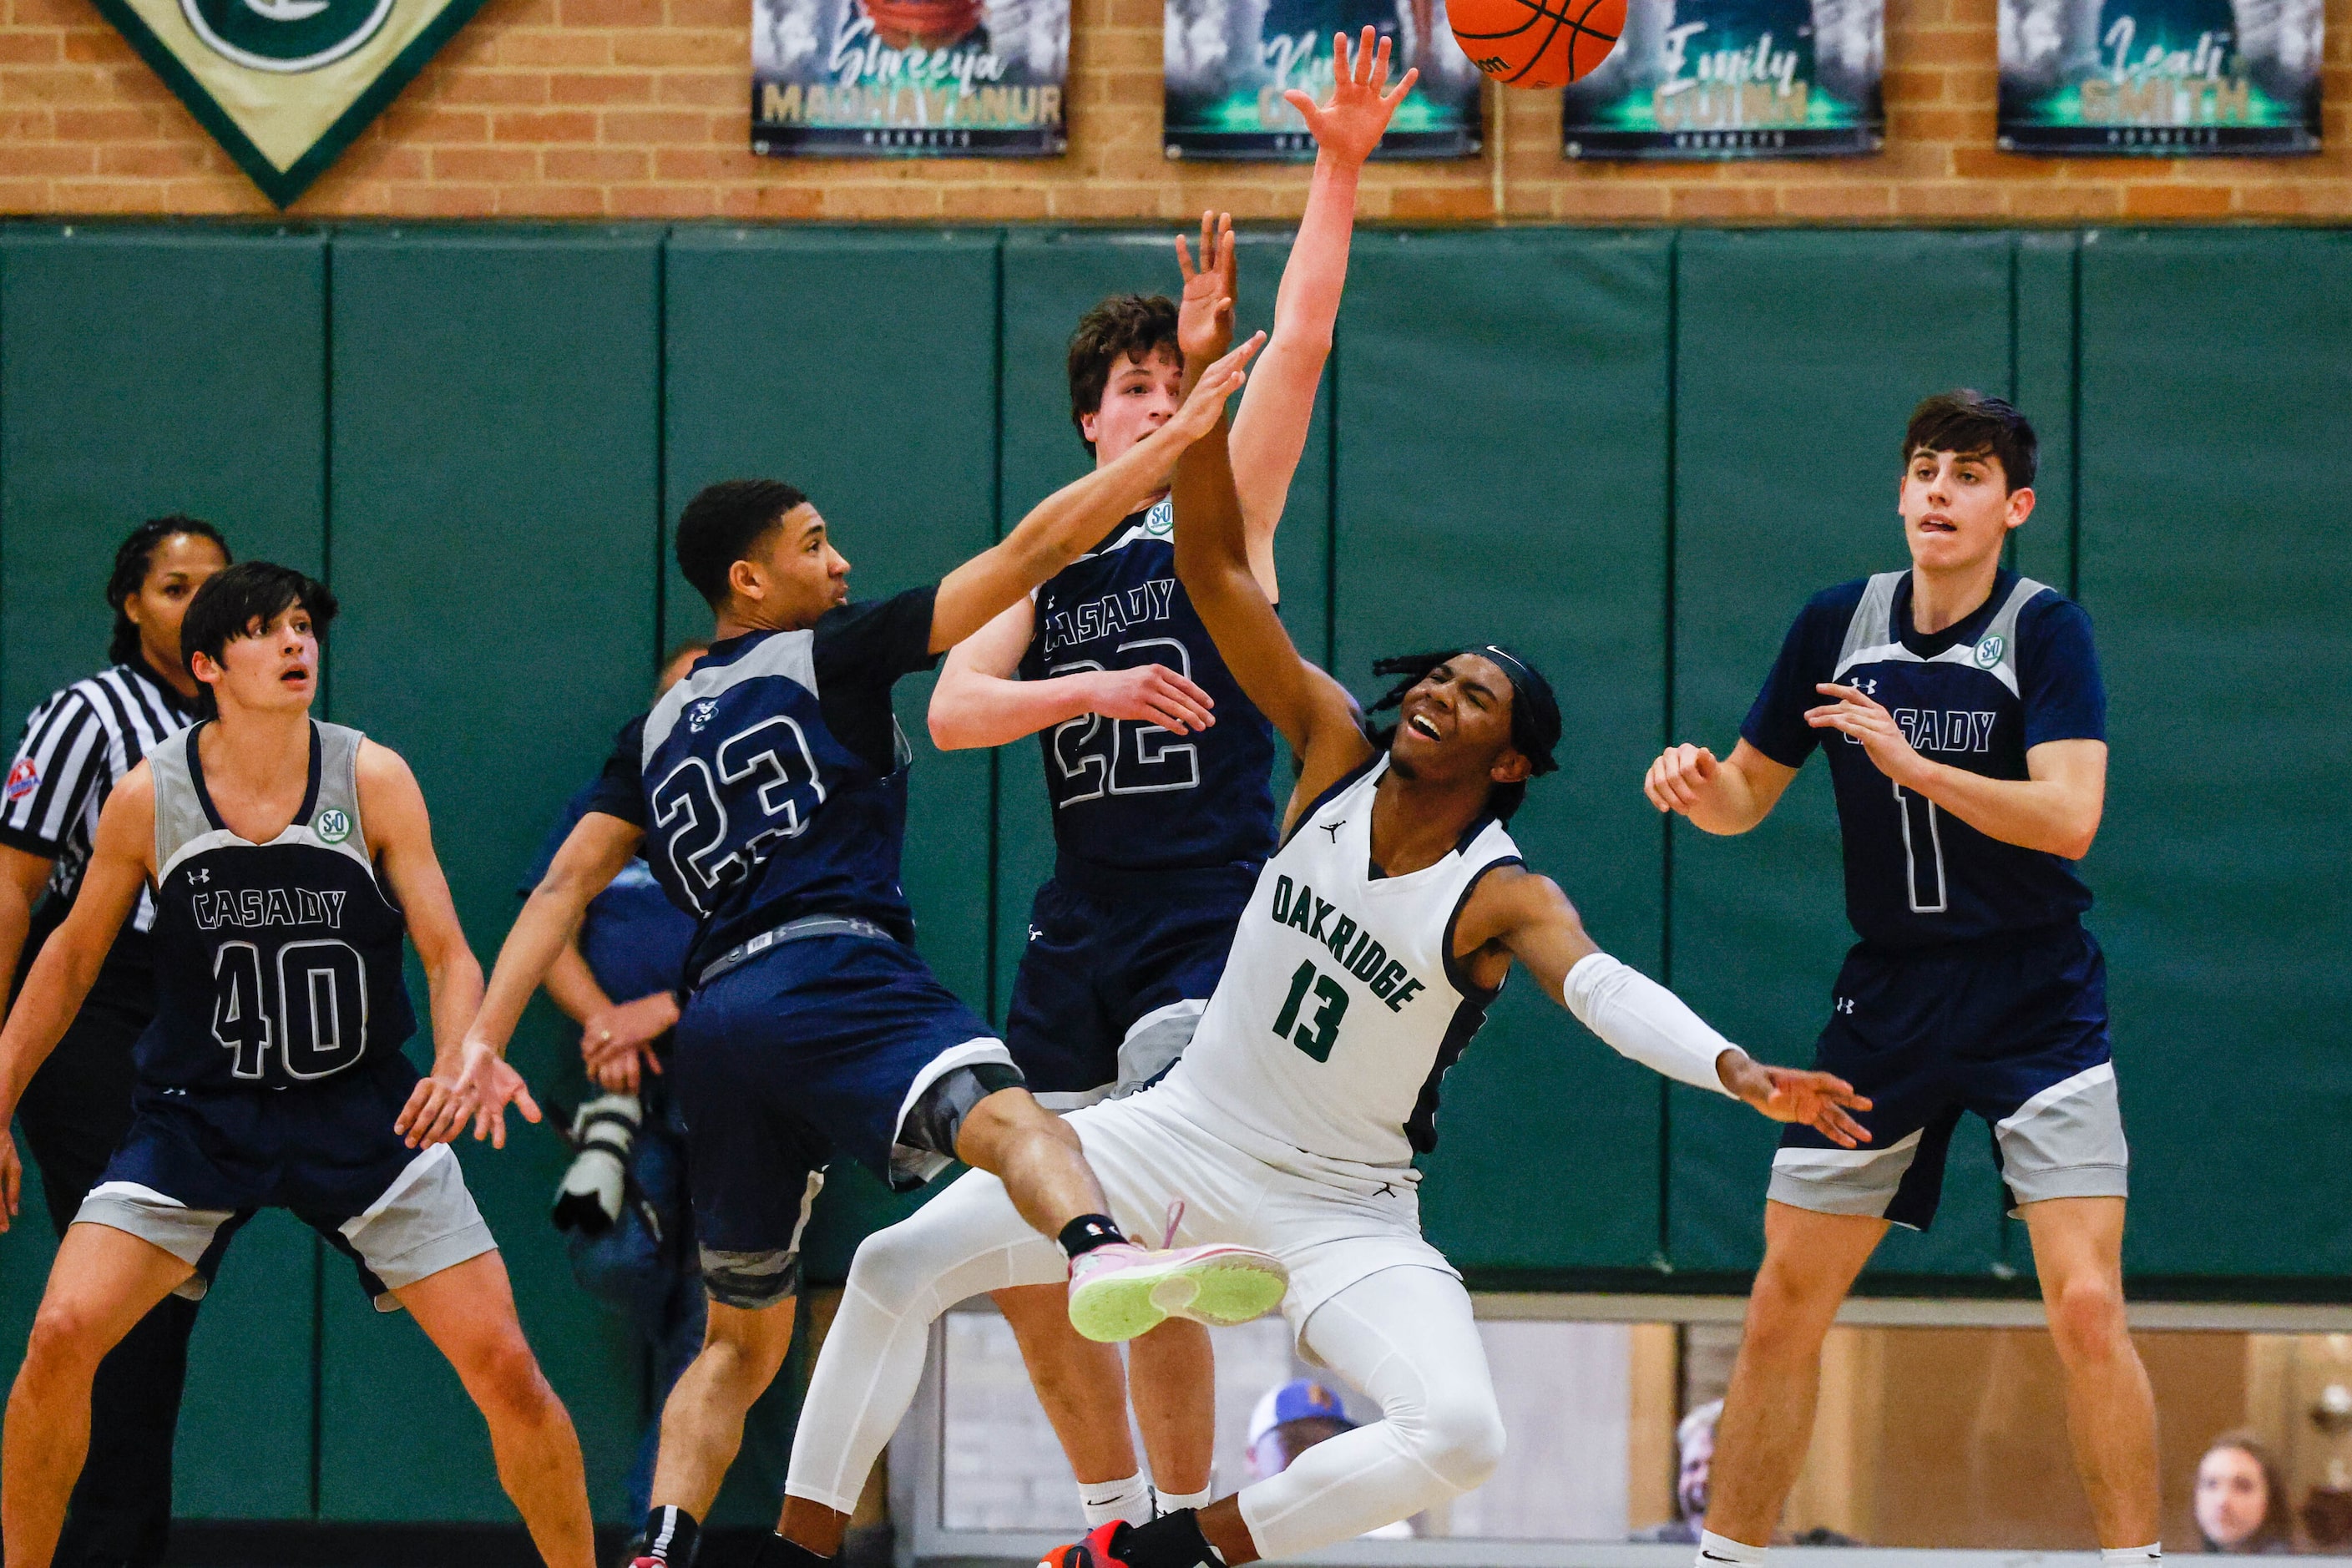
x=1375, y=940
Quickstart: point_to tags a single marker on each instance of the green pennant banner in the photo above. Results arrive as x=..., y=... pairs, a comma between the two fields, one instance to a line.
x=284, y=86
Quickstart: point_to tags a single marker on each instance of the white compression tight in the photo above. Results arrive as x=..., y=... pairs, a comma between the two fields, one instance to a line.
x=1404, y=1336
x=966, y=1242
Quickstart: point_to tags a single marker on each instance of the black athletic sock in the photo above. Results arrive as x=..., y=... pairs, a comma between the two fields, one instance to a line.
x=1087, y=1232
x=1171, y=1541
x=783, y=1552
x=670, y=1536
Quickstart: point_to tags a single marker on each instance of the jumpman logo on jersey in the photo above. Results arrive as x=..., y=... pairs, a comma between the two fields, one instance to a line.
x=1333, y=829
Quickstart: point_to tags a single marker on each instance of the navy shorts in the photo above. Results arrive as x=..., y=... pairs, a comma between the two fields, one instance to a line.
x=832, y=1045
x=197, y=1163
x=1117, y=970
x=2013, y=1028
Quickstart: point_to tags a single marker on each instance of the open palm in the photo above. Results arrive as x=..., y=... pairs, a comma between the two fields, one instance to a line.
x=1351, y=123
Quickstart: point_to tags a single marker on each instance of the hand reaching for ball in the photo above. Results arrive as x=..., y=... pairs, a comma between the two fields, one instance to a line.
x=1351, y=124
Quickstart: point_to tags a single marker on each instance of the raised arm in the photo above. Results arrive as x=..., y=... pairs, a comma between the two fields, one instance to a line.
x=1516, y=914
x=980, y=702
x=1060, y=528
x=69, y=962
x=1313, y=711
x=1270, y=428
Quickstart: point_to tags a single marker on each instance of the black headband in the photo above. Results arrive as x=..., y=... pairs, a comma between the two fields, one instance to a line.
x=1535, y=712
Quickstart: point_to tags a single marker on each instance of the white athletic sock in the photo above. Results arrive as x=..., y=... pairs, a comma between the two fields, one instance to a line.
x=1105, y=1502
x=1713, y=1548
x=2131, y=1556
x=1171, y=1501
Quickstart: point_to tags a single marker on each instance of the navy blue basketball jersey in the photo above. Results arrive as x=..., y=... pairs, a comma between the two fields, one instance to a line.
x=1128, y=794
x=276, y=964
x=1979, y=695
x=771, y=782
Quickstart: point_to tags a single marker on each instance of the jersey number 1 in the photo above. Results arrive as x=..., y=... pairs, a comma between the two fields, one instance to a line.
x=320, y=1024
x=1319, y=1033
x=1922, y=853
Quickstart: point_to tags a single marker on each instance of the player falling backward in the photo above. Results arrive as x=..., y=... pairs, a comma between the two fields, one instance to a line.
x=289, y=860
x=1375, y=940
x=1158, y=840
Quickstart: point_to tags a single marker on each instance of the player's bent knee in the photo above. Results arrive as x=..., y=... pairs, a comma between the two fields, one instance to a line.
x=896, y=1267
x=67, y=1341
x=1458, y=1435
x=2087, y=1317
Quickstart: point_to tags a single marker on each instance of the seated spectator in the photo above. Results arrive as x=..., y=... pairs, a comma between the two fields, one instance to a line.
x=1293, y=1418
x=2241, y=1504
x=1695, y=1440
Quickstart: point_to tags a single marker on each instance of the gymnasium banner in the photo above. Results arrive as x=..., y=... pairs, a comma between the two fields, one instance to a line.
x=1228, y=62
x=1734, y=79
x=884, y=79
x=284, y=86
x=2162, y=77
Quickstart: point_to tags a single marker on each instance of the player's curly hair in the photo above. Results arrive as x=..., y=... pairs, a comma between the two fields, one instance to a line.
x=1528, y=736
x=133, y=559
x=1138, y=324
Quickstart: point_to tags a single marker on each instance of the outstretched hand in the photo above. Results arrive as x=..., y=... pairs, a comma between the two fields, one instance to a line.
x=1352, y=122
x=1818, y=1099
x=1206, y=405
x=490, y=1084
x=1205, y=317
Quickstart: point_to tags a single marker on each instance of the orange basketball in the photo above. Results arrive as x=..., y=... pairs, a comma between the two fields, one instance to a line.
x=1537, y=43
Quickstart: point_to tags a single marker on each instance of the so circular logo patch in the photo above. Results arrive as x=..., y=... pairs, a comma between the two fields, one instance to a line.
x=1161, y=520
x=1989, y=652
x=332, y=825
x=285, y=36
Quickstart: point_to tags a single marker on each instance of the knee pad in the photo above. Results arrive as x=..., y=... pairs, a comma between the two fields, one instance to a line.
x=751, y=1281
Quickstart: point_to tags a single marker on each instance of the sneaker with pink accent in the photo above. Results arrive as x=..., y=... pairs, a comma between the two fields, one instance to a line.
x=1121, y=1291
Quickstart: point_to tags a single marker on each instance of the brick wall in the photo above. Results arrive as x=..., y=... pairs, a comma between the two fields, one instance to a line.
x=639, y=108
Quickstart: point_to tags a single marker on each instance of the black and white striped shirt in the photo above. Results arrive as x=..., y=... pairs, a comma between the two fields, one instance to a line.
x=76, y=747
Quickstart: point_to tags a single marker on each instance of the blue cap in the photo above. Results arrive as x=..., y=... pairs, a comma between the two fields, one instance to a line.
x=1299, y=1400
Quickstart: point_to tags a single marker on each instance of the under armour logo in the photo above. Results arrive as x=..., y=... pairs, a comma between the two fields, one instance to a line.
x=1868, y=687
x=1034, y=933
x=200, y=878
x=1843, y=1004
x=1332, y=828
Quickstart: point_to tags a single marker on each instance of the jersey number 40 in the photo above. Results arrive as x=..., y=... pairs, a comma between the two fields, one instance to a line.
x=315, y=1014
x=770, y=764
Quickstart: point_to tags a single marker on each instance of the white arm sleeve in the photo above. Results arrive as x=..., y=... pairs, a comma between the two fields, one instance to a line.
x=1640, y=1019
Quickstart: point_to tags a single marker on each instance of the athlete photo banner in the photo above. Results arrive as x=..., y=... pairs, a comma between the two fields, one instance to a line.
x=2163, y=78
x=884, y=79
x=284, y=86
x=1734, y=79
x=1228, y=62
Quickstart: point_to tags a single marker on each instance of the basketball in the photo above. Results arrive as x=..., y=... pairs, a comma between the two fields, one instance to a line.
x=1537, y=43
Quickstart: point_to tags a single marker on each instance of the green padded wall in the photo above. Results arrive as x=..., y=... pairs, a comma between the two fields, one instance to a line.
x=1504, y=479
x=2215, y=404
x=142, y=374
x=496, y=440
x=1050, y=281
x=1797, y=358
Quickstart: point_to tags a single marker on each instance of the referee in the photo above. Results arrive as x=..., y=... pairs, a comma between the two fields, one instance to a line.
x=77, y=745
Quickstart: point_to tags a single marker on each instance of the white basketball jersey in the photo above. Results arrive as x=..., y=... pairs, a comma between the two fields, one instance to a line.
x=1341, y=1007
